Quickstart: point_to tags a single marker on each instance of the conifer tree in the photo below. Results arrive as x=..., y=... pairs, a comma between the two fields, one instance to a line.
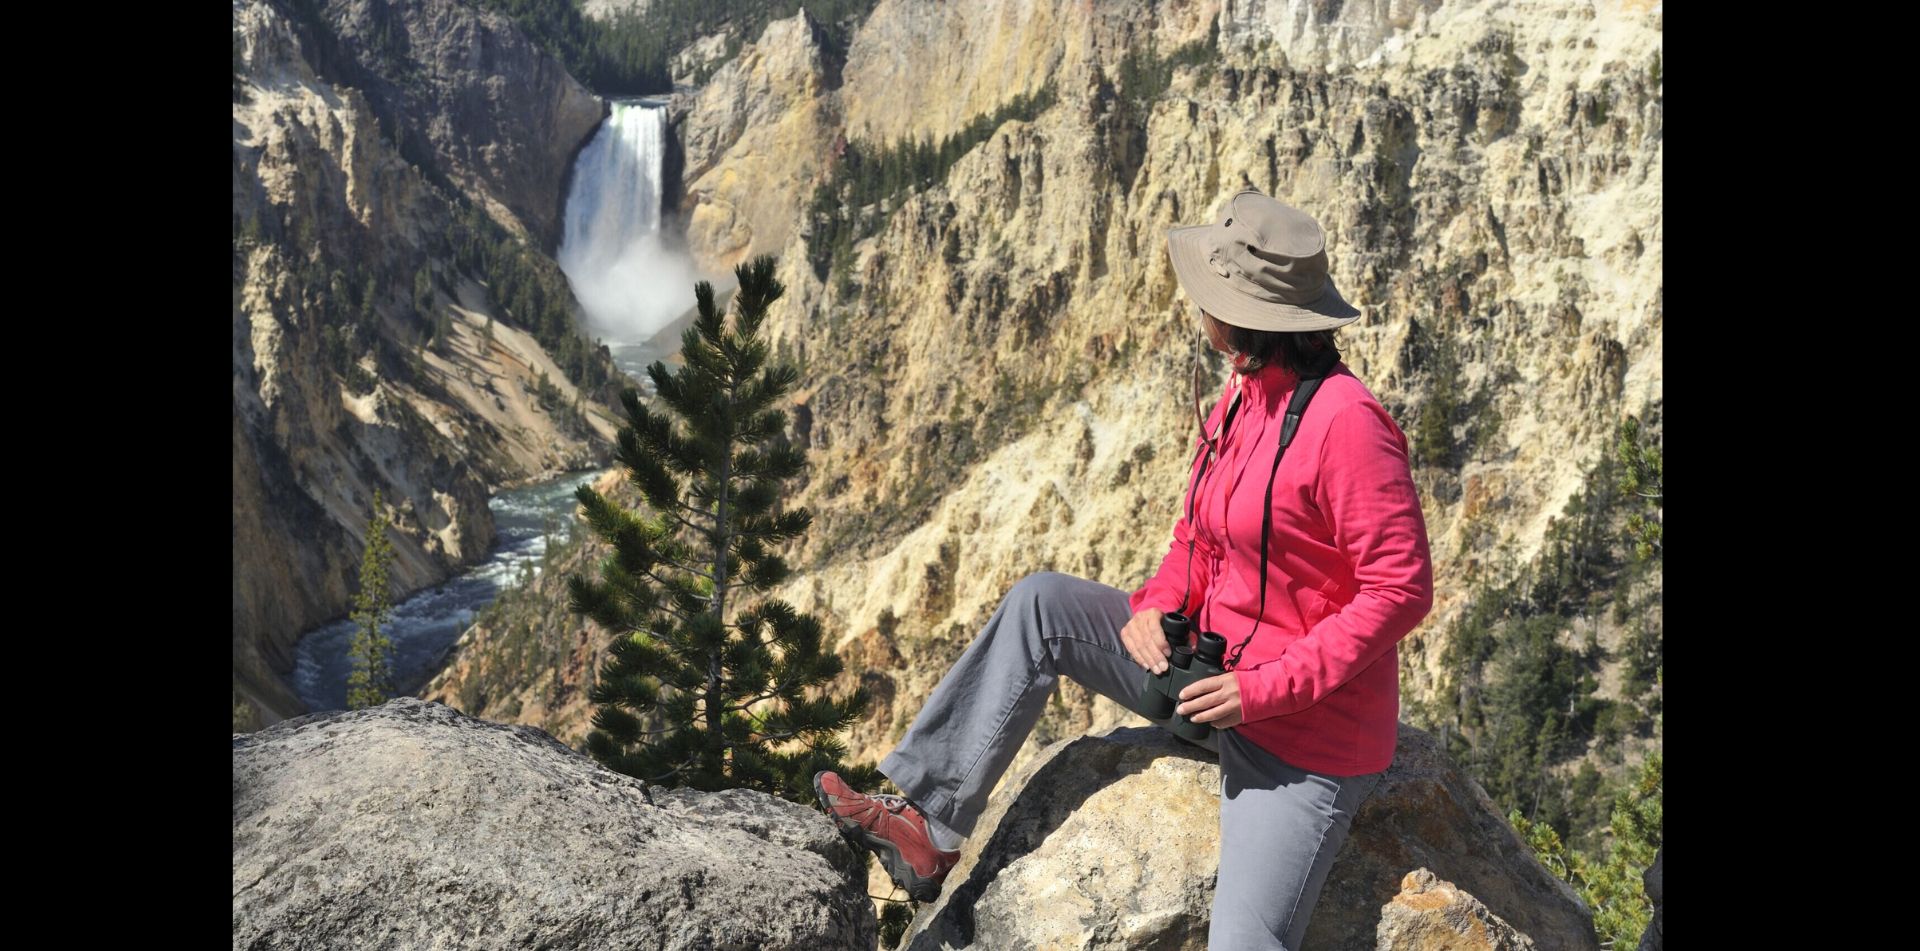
x=702, y=688
x=423, y=292
x=1642, y=478
x=240, y=93
x=371, y=681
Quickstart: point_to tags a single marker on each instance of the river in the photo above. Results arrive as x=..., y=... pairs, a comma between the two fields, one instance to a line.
x=426, y=624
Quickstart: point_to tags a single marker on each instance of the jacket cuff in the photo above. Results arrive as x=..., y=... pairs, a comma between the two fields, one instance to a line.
x=1260, y=697
x=1145, y=598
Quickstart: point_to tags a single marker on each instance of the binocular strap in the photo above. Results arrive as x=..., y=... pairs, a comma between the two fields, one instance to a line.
x=1302, y=394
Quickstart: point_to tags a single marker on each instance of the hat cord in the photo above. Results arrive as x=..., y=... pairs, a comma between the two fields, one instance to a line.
x=1204, y=461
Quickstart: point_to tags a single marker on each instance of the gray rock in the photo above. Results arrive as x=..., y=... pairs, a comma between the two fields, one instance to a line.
x=413, y=825
x=1651, y=939
x=1062, y=858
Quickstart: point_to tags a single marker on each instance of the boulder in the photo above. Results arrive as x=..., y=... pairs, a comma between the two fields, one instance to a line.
x=411, y=824
x=1652, y=938
x=1430, y=914
x=1112, y=841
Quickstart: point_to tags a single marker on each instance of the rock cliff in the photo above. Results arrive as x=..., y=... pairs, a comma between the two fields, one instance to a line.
x=755, y=137
x=360, y=132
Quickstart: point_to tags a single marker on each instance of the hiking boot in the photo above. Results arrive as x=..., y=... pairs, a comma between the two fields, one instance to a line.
x=893, y=828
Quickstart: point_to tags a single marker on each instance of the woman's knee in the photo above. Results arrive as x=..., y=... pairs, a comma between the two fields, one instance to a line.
x=1039, y=587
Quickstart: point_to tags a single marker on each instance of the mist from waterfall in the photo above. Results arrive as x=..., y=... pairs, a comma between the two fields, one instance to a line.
x=629, y=282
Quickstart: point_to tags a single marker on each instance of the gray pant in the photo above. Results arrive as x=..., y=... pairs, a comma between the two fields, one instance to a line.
x=1280, y=826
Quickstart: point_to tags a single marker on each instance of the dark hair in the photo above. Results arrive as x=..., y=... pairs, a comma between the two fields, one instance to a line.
x=1306, y=352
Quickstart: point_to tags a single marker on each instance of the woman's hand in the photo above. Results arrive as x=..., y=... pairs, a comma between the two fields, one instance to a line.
x=1214, y=701
x=1144, y=642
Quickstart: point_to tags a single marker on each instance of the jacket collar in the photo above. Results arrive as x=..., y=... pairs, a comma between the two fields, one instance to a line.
x=1267, y=381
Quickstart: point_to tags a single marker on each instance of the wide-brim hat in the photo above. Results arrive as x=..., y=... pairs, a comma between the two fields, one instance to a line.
x=1261, y=264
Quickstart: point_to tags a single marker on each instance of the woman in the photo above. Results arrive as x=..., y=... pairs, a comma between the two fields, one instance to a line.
x=1312, y=561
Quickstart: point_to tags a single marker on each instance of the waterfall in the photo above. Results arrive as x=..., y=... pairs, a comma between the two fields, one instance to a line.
x=630, y=283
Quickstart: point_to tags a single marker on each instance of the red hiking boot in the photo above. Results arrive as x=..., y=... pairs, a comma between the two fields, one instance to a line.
x=893, y=829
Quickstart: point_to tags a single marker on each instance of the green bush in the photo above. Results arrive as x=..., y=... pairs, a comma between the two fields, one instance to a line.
x=1610, y=879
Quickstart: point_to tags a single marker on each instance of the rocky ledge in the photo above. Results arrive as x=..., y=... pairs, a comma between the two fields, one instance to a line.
x=1113, y=842
x=413, y=825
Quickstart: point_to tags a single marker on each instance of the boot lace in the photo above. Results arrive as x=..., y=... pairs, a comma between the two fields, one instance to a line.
x=892, y=802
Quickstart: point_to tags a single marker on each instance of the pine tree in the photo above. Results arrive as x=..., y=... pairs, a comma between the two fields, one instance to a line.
x=422, y=291
x=371, y=681
x=369, y=298
x=240, y=93
x=1643, y=478
x=701, y=689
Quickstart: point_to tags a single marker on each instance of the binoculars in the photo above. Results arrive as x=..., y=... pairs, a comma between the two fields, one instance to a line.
x=1161, y=693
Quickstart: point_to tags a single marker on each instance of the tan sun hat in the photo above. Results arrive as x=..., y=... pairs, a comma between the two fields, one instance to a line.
x=1262, y=265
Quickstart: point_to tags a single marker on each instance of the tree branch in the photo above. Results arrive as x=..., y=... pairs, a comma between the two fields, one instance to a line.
x=750, y=701
x=676, y=516
x=664, y=583
x=677, y=612
x=692, y=571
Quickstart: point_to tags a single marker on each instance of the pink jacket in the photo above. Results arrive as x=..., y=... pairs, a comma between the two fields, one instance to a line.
x=1348, y=569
